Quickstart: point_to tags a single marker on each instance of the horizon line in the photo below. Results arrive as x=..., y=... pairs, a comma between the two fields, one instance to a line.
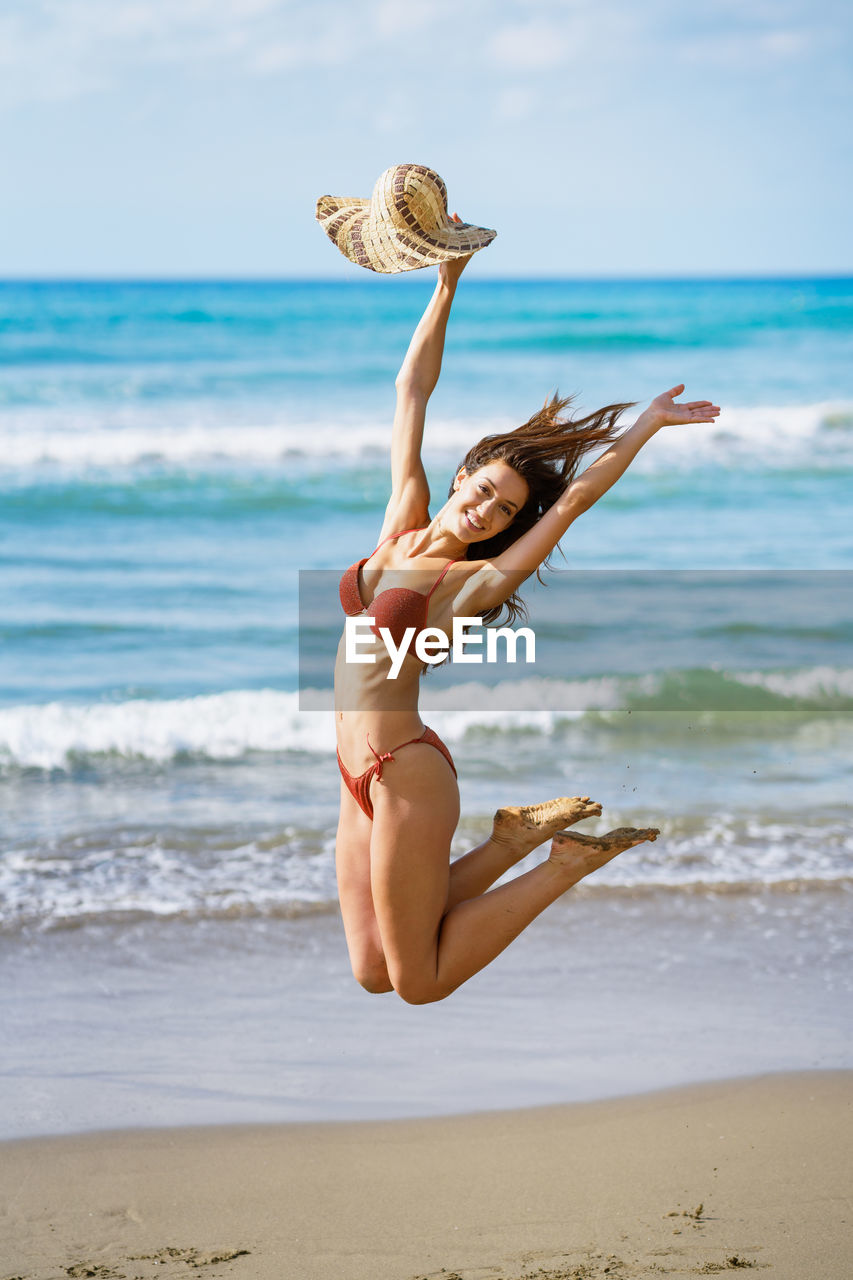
x=415, y=277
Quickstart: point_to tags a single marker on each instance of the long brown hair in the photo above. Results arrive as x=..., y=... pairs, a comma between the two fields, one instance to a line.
x=545, y=452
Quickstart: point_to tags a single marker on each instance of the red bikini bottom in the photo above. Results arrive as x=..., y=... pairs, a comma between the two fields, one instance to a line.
x=359, y=788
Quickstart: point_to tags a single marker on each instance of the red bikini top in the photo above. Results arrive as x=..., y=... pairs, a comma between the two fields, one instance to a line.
x=396, y=607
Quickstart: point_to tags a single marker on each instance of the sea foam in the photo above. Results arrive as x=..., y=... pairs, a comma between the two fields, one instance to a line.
x=228, y=726
x=182, y=436
x=109, y=874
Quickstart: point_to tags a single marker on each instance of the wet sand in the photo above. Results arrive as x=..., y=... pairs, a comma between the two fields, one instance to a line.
x=152, y=1025
x=739, y=1176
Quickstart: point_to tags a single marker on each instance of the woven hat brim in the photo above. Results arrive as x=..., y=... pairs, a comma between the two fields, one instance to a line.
x=375, y=243
x=328, y=206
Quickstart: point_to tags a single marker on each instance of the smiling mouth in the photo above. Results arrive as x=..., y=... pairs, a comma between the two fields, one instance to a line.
x=478, y=528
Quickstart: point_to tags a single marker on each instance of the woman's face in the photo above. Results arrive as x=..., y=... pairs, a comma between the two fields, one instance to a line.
x=486, y=501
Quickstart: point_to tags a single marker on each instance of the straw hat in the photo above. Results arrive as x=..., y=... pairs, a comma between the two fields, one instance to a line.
x=403, y=226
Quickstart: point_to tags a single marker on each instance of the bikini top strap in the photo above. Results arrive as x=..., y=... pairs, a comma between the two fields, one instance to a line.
x=440, y=577
x=391, y=537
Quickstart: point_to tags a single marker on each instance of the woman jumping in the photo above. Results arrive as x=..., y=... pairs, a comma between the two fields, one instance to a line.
x=416, y=923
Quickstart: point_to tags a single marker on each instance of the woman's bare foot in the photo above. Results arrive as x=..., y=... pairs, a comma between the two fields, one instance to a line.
x=581, y=855
x=522, y=829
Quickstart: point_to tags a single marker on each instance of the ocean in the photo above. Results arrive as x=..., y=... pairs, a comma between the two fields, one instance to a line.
x=175, y=456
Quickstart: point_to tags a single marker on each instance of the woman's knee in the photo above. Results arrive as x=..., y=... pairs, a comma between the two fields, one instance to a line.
x=419, y=988
x=371, y=972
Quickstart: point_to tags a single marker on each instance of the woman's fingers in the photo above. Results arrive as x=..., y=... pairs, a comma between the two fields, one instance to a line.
x=691, y=404
x=692, y=411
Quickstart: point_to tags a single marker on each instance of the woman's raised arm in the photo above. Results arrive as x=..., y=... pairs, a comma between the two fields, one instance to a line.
x=408, y=506
x=531, y=549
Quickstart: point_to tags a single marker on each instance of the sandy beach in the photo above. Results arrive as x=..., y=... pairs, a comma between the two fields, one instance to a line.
x=741, y=1175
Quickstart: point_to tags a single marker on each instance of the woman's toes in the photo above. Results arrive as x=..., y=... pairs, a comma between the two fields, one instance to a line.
x=530, y=825
x=583, y=854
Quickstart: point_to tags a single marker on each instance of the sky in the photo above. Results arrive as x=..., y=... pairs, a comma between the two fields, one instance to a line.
x=191, y=138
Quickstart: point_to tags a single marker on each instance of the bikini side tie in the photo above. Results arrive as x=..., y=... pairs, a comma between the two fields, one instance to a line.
x=380, y=758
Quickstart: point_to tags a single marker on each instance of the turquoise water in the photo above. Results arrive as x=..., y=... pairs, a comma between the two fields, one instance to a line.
x=172, y=455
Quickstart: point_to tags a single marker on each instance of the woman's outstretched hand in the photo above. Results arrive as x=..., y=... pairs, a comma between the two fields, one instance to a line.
x=449, y=272
x=665, y=412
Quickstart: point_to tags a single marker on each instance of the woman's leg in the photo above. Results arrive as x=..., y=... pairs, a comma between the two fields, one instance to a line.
x=352, y=864
x=430, y=950
x=515, y=833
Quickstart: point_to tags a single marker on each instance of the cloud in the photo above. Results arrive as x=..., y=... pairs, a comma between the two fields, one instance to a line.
x=58, y=49
x=392, y=18
x=55, y=50
x=535, y=45
x=785, y=44
x=744, y=50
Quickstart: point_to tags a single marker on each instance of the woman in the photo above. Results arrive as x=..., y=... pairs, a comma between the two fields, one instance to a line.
x=415, y=923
